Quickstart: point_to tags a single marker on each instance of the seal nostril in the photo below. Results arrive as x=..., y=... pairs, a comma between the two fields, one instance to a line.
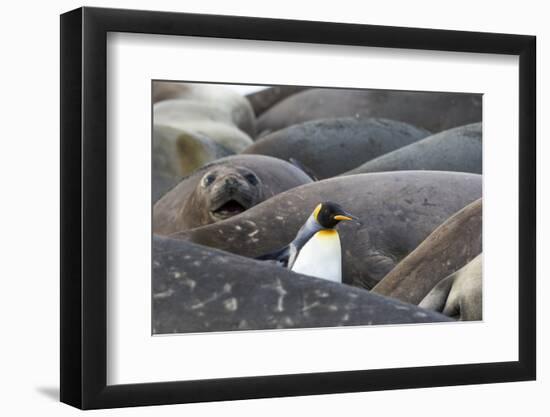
x=231, y=181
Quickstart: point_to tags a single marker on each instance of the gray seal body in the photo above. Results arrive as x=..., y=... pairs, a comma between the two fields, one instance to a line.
x=458, y=149
x=429, y=110
x=200, y=289
x=398, y=210
x=330, y=147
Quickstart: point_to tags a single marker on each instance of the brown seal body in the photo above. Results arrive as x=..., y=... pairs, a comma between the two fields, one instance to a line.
x=452, y=245
x=398, y=211
x=222, y=189
x=460, y=295
x=430, y=110
x=330, y=147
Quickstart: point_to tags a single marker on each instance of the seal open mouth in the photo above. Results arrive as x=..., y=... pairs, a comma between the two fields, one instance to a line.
x=228, y=209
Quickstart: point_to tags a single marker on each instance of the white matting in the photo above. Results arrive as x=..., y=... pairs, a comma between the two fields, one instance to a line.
x=135, y=356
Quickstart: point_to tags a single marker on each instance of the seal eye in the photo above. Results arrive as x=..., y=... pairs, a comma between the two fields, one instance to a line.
x=251, y=178
x=208, y=179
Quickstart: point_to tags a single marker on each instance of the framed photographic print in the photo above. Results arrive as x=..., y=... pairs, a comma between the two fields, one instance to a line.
x=258, y=208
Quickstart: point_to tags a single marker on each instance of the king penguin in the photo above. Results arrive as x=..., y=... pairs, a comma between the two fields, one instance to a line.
x=316, y=250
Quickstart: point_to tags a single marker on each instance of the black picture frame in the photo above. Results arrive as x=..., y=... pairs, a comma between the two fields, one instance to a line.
x=84, y=207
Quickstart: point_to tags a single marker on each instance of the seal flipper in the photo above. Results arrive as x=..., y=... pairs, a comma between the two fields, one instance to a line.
x=436, y=299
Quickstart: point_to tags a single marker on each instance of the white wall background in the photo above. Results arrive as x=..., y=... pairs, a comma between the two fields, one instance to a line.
x=29, y=211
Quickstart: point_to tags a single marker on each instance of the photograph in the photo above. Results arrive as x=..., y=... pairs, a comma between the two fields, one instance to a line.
x=258, y=207
x=292, y=207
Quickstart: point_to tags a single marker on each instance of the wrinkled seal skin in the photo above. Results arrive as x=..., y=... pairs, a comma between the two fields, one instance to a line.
x=266, y=98
x=199, y=289
x=331, y=146
x=247, y=179
x=459, y=295
x=451, y=246
x=235, y=105
x=429, y=110
x=458, y=149
x=177, y=153
x=202, y=118
x=398, y=210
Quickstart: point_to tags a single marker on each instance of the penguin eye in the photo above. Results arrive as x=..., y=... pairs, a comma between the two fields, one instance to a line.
x=208, y=179
x=251, y=178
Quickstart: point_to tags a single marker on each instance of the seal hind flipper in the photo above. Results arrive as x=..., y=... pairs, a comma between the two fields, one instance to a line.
x=435, y=300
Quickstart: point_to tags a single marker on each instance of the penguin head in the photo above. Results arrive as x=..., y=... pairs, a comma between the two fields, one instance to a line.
x=329, y=214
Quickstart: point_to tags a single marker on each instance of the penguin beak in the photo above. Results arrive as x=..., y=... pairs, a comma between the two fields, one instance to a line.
x=344, y=216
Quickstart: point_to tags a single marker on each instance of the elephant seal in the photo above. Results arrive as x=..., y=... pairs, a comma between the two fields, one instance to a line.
x=458, y=149
x=398, y=211
x=177, y=153
x=266, y=98
x=224, y=189
x=460, y=295
x=330, y=147
x=200, y=289
x=202, y=118
x=449, y=247
x=430, y=110
x=166, y=90
x=238, y=107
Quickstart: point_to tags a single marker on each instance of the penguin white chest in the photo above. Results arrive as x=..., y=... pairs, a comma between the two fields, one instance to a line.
x=321, y=257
